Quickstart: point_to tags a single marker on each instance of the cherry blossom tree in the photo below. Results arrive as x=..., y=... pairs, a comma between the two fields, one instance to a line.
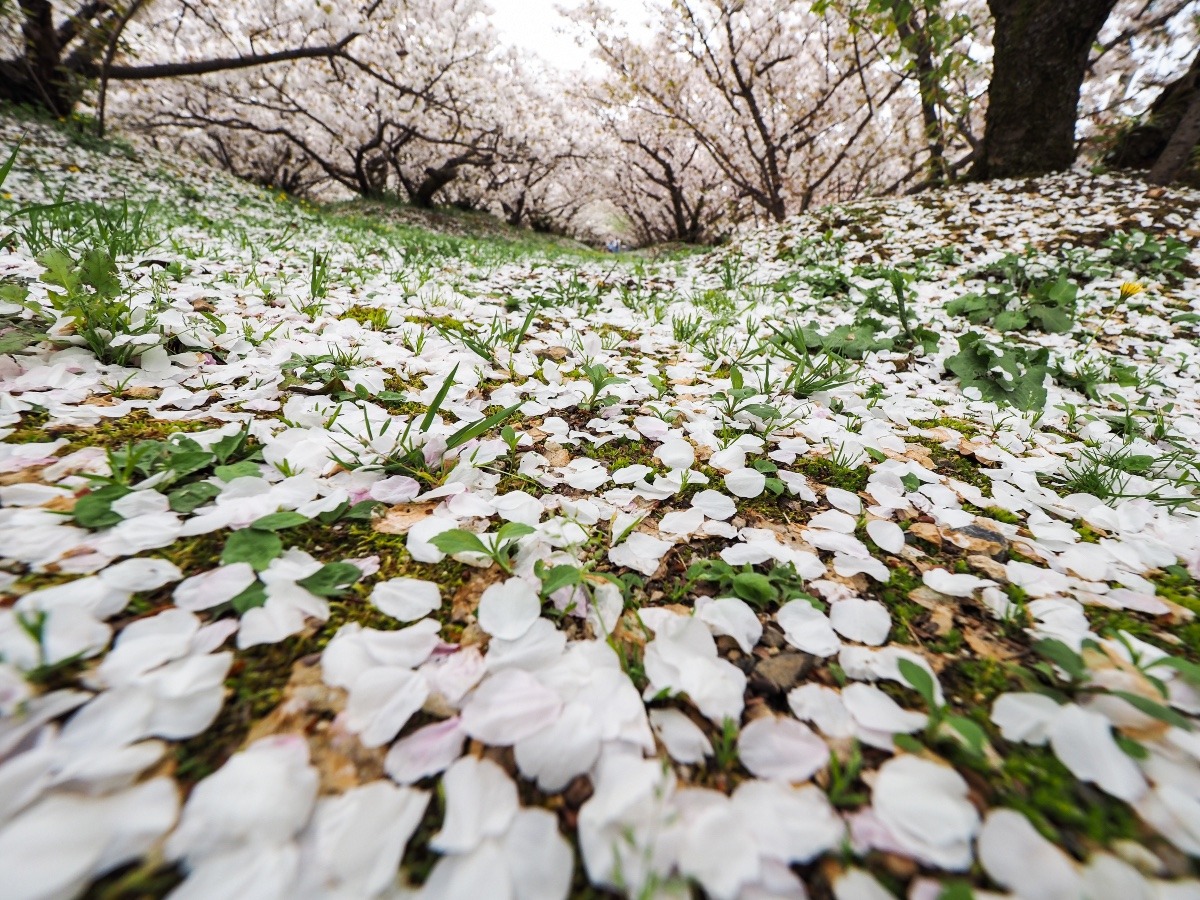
x=52, y=49
x=407, y=115
x=780, y=97
x=935, y=45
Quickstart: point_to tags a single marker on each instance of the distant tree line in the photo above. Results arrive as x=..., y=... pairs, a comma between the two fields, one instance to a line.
x=731, y=111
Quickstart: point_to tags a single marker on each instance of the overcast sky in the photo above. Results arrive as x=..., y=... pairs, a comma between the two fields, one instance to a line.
x=536, y=26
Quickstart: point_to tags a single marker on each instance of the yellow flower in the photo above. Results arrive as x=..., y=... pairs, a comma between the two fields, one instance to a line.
x=1130, y=289
x=72, y=168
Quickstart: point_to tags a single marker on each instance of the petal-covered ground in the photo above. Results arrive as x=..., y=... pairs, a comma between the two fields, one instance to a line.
x=856, y=558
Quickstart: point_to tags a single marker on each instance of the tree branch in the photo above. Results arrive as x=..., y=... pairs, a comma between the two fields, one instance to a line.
x=227, y=64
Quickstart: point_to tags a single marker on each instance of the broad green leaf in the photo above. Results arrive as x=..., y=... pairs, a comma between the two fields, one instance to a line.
x=255, y=595
x=560, y=577
x=920, y=681
x=250, y=545
x=1189, y=670
x=278, y=521
x=754, y=588
x=1063, y=657
x=1052, y=319
x=99, y=272
x=957, y=890
x=456, y=540
x=60, y=270
x=972, y=735
x=244, y=469
x=908, y=743
x=191, y=497
x=94, y=510
x=363, y=511
x=188, y=462
x=1011, y=320
x=1131, y=747
x=331, y=579
x=511, y=531
x=227, y=446
x=763, y=411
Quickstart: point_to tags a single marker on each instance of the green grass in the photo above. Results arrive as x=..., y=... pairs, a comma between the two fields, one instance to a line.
x=137, y=425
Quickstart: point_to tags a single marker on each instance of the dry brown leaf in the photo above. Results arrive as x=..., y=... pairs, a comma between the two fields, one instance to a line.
x=31, y=475
x=977, y=538
x=987, y=648
x=556, y=455
x=919, y=454
x=309, y=708
x=400, y=518
x=927, y=531
x=466, y=599
x=988, y=567
x=942, y=619
x=928, y=598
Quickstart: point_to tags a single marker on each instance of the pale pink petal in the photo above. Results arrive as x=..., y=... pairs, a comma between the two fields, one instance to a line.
x=1083, y=742
x=507, y=610
x=807, y=628
x=540, y=862
x=714, y=505
x=865, y=621
x=682, y=737
x=1025, y=717
x=888, y=536
x=748, y=483
x=781, y=749
x=508, y=706
x=789, y=824
x=406, y=599
x=425, y=752
x=481, y=802
x=1016, y=857
x=381, y=702
x=212, y=588
x=566, y=748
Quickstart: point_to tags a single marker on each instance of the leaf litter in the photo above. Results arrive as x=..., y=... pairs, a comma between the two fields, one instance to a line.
x=659, y=575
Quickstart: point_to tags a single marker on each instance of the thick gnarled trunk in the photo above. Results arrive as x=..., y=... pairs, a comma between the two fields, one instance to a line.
x=1167, y=135
x=1041, y=55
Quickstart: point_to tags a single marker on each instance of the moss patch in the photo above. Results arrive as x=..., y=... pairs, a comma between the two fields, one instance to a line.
x=137, y=425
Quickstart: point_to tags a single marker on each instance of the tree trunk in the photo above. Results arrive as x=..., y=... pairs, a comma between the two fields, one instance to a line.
x=910, y=31
x=36, y=78
x=1144, y=145
x=1040, y=58
x=1178, y=152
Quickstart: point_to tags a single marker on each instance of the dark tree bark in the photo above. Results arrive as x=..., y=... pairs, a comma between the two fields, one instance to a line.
x=1166, y=124
x=56, y=64
x=1178, y=152
x=910, y=31
x=1041, y=56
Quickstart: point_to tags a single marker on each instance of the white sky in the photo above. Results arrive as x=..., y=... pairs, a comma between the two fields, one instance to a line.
x=537, y=27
